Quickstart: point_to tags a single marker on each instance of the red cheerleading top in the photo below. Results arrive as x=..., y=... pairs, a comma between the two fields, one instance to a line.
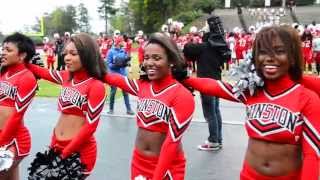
x=282, y=112
x=311, y=82
x=17, y=89
x=81, y=95
x=163, y=106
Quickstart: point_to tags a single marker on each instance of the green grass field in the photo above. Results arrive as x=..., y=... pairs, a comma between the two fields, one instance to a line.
x=48, y=89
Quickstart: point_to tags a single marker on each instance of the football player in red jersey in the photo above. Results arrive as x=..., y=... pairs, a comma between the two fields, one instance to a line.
x=17, y=89
x=81, y=99
x=164, y=111
x=241, y=47
x=282, y=116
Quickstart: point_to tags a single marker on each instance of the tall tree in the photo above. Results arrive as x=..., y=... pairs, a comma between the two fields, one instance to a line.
x=37, y=26
x=105, y=9
x=208, y=6
x=83, y=19
x=149, y=15
x=1, y=37
x=70, y=18
x=60, y=20
x=136, y=7
x=123, y=18
x=55, y=22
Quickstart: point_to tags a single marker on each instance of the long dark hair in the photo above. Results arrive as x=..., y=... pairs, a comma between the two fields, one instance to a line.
x=173, y=54
x=292, y=44
x=89, y=55
x=24, y=45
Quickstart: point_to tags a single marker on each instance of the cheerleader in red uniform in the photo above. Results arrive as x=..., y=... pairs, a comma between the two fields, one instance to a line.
x=282, y=116
x=141, y=41
x=81, y=99
x=164, y=112
x=17, y=89
x=50, y=55
x=106, y=44
x=306, y=39
x=127, y=44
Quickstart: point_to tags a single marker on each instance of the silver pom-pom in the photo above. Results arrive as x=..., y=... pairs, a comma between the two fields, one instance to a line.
x=246, y=78
x=6, y=159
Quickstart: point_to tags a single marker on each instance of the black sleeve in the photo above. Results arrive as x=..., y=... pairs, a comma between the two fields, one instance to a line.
x=192, y=51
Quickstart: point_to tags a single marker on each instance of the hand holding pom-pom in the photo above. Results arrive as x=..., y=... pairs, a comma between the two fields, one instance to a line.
x=246, y=78
x=50, y=166
x=36, y=59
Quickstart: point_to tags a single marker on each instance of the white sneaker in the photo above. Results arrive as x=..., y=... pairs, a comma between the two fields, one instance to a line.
x=209, y=146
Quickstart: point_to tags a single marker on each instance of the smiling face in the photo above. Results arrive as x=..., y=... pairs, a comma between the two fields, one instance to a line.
x=273, y=65
x=72, y=58
x=156, y=62
x=11, y=55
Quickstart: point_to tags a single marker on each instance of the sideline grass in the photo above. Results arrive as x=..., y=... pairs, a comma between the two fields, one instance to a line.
x=48, y=89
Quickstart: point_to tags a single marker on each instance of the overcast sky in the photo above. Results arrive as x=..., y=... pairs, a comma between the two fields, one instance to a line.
x=15, y=14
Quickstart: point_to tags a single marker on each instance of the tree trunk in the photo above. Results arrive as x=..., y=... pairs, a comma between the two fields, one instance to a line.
x=106, y=21
x=106, y=18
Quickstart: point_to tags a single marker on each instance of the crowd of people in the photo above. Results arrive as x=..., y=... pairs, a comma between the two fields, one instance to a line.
x=284, y=138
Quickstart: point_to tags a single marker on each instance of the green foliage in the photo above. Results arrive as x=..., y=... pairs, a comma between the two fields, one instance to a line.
x=120, y=22
x=187, y=16
x=1, y=37
x=257, y=3
x=123, y=19
x=70, y=18
x=304, y=2
x=37, y=40
x=207, y=6
x=83, y=19
x=154, y=16
x=136, y=7
x=105, y=9
x=62, y=19
x=234, y=3
x=149, y=15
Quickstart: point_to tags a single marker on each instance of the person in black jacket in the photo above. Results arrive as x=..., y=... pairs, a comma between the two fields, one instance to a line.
x=210, y=57
x=59, y=45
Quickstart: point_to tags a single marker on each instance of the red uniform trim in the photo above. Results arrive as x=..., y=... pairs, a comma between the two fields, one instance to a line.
x=21, y=142
x=82, y=96
x=17, y=90
x=161, y=108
